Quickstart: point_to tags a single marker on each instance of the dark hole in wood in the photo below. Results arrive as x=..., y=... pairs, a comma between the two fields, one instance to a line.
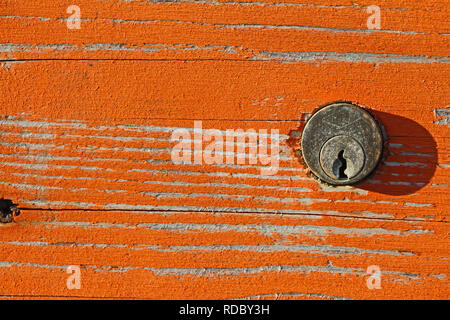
x=8, y=210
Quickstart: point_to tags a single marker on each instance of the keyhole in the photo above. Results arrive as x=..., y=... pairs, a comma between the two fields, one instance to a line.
x=339, y=166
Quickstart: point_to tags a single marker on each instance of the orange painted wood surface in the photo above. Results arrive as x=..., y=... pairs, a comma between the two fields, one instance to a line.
x=87, y=115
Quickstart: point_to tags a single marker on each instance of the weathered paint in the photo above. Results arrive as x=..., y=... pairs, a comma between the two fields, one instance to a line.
x=86, y=118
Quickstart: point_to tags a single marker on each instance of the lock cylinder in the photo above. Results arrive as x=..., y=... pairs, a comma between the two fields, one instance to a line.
x=342, y=144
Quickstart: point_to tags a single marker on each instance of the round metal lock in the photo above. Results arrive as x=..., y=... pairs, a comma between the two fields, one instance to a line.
x=342, y=144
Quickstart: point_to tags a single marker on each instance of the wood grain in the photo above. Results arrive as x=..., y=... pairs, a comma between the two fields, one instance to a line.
x=86, y=118
x=221, y=255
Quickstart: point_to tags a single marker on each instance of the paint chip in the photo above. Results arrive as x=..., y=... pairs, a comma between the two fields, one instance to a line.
x=444, y=113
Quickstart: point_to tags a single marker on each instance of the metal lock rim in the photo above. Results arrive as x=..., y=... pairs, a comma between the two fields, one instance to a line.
x=342, y=119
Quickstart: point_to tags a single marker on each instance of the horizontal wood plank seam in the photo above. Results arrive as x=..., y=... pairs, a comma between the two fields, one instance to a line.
x=286, y=59
x=237, y=212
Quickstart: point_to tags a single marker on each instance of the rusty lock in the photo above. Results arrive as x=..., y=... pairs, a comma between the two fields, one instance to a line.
x=342, y=144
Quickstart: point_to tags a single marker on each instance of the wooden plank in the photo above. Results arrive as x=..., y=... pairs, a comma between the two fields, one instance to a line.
x=108, y=151
x=86, y=124
x=248, y=30
x=221, y=255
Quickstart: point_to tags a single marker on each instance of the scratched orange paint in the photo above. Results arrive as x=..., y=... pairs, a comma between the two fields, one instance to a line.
x=86, y=121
